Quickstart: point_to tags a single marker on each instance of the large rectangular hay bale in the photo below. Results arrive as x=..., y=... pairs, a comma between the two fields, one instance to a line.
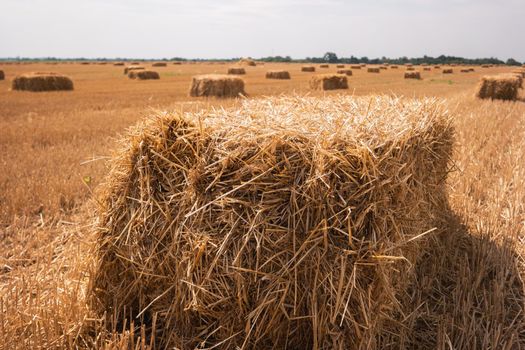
x=307, y=69
x=329, y=82
x=143, y=74
x=236, y=70
x=285, y=223
x=42, y=81
x=373, y=70
x=278, y=74
x=499, y=87
x=217, y=85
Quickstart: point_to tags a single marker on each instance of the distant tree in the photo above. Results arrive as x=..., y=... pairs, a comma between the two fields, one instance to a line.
x=512, y=62
x=330, y=57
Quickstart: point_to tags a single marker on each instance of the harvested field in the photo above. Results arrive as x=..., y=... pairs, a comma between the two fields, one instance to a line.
x=42, y=81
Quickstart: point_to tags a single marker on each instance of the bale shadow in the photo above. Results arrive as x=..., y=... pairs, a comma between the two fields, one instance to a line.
x=468, y=294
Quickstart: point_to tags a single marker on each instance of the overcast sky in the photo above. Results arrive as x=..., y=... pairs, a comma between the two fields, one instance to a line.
x=234, y=28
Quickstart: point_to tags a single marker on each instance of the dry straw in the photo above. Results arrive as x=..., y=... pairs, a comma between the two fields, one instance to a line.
x=499, y=87
x=277, y=74
x=236, y=70
x=42, y=81
x=329, y=82
x=307, y=69
x=132, y=68
x=345, y=71
x=142, y=74
x=217, y=85
x=412, y=75
x=287, y=223
x=373, y=70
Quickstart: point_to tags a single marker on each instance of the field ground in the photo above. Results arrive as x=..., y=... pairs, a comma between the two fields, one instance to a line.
x=54, y=149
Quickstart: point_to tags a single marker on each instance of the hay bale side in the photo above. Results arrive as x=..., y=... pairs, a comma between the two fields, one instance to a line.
x=413, y=75
x=448, y=71
x=373, y=70
x=2, y=75
x=42, y=81
x=277, y=74
x=499, y=87
x=222, y=225
x=236, y=70
x=159, y=64
x=329, y=82
x=142, y=74
x=216, y=85
x=347, y=72
x=307, y=69
x=132, y=68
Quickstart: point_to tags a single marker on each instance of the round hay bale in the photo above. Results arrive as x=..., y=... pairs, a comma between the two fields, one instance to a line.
x=118, y=63
x=219, y=227
x=413, y=75
x=324, y=66
x=448, y=71
x=142, y=74
x=159, y=64
x=42, y=81
x=355, y=67
x=247, y=61
x=277, y=74
x=340, y=66
x=499, y=87
x=307, y=69
x=2, y=75
x=236, y=70
x=373, y=70
x=347, y=72
x=329, y=82
x=217, y=85
x=132, y=68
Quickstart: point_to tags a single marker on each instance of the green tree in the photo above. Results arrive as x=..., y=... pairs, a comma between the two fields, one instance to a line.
x=330, y=57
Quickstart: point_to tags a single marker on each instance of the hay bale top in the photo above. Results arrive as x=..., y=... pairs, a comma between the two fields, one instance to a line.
x=42, y=81
x=270, y=197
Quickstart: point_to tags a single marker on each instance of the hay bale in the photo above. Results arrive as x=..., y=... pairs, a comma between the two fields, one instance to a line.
x=2, y=75
x=340, y=66
x=118, y=63
x=393, y=67
x=410, y=68
x=437, y=67
x=134, y=63
x=159, y=64
x=383, y=67
x=42, y=81
x=85, y=63
x=329, y=82
x=347, y=72
x=177, y=63
x=277, y=74
x=471, y=69
x=355, y=67
x=246, y=61
x=132, y=68
x=142, y=74
x=413, y=75
x=464, y=70
x=324, y=66
x=217, y=85
x=427, y=69
x=448, y=71
x=485, y=66
x=373, y=70
x=499, y=87
x=236, y=70
x=223, y=225
x=307, y=69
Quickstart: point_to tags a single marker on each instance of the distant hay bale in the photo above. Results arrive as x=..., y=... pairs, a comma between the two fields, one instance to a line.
x=437, y=67
x=132, y=68
x=409, y=65
x=413, y=75
x=85, y=63
x=410, y=68
x=393, y=67
x=42, y=81
x=347, y=72
x=427, y=69
x=134, y=63
x=246, y=61
x=499, y=87
x=324, y=66
x=448, y=71
x=383, y=67
x=216, y=85
x=355, y=67
x=118, y=63
x=464, y=70
x=485, y=66
x=471, y=70
x=159, y=64
x=282, y=223
x=236, y=70
x=340, y=66
x=177, y=63
x=102, y=63
x=142, y=74
x=277, y=74
x=329, y=82
x=2, y=75
x=373, y=70
x=363, y=65
x=307, y=69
